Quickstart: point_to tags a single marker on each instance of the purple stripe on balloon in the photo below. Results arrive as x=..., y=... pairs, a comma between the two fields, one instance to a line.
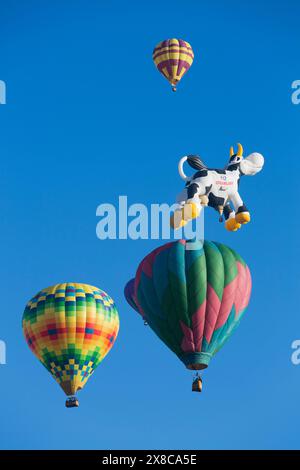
x=167, y=62
x=188, y=50
x=182, y=64
x=182, y=43
x=172, y=51
x=129, y=294
x=167, y=45
x=171, y=62
x=164, y=43
x=158, y=48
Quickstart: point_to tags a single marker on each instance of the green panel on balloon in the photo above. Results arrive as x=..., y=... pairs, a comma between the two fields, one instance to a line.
x=193, y=299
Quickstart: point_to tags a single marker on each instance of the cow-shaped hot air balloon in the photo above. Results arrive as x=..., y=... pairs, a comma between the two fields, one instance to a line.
x=193, y=296
x=217, y=188
x=173, y=58
x=70, y=328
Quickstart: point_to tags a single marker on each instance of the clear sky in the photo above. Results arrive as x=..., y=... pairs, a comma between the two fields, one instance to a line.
x=88, y=118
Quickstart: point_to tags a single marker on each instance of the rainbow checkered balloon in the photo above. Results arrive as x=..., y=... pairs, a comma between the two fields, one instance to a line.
x=70, y=328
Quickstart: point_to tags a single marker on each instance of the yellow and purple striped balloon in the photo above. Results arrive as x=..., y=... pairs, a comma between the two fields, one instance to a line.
x=173, y=58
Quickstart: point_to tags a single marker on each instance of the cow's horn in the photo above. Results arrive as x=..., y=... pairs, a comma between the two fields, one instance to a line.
x=240, y=150
x=231, y=152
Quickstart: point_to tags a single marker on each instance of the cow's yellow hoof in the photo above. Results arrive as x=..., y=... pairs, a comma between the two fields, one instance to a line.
x=176, y=220
x=232, y=225
x=242, y=217
x=190, y=211
x=182, y=216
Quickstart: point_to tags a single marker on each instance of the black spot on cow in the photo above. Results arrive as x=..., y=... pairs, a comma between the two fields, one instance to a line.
x=233, y=167
x=215, y=201
x=242, y=209
x=192, y=190
x=227, y=211
x=200, y=174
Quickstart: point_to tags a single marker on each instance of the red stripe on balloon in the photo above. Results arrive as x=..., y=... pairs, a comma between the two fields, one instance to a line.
x=193, y=337
x=243, y=289
x=213, y=304
x=198, y=322
x=228, y=297
x=187, y=344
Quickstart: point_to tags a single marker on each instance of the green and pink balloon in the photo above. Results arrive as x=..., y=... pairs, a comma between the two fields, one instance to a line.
x=193, y=296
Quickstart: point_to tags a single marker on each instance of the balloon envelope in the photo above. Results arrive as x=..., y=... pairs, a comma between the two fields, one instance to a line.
x=193, y=299
x=70, y=328
x=173, y=58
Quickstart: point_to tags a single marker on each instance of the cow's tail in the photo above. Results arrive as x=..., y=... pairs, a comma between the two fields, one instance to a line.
x=194, y=161
x=180, y=168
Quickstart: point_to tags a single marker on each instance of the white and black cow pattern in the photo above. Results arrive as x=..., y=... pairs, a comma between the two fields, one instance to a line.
x=218, y=188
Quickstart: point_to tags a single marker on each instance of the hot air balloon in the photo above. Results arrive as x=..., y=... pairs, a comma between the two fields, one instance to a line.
x=217, y=188
x=193, y=296
x=173, y=58
x=70, y=328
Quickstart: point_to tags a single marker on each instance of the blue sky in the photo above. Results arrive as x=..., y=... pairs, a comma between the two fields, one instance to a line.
x=89, y=118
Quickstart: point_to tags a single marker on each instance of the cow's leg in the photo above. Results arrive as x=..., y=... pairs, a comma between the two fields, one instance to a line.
x=230, y=223
x=190, y=209
x=193, y=205
x=242, y=215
